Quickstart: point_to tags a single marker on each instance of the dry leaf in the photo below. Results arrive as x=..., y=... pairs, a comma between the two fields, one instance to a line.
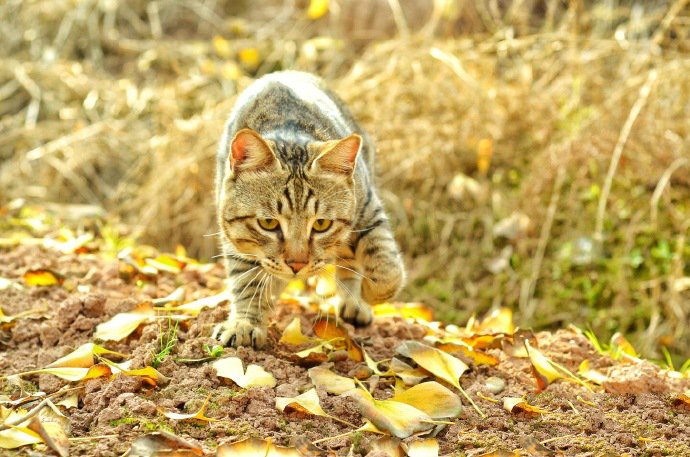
x=441, y=364
x=327, y=329
x=543, y=370
x=149, y=374
x=591, y=374
x=51, y=425
x=83, y=356
x=176, y=296
x=409, y=375
x=431, y=398
x=255, y=376
x=423, y=448
x=499, y=321
x=70, y=401
x=165, y=262
x=683, y=398
x=397, y=418
x=123, y=324
x=478, y=357
x=308, y=402
x=317, y=9
x=388, y=446
x=18, y=436
x=43, y=277
x=254, y=447
x=29, y=313
x=162, y=443
x=407, y=310
x=331, y=382
x=193, y=308
x=516, y=405
x=293, y=334
x=73, y=373
x=199, y=415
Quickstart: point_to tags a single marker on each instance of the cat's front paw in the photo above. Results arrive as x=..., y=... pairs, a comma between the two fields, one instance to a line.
x=357, y=313
x=240, y=332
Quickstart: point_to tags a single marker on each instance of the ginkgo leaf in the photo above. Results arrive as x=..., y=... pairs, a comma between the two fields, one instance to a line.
x=15, y=437
x=193, y=308
x=70, y=401
x=255, y=376
x=149, y=374
x=427, y=447
x=591, y=374
x=254, y=447
x=478, y=357
x=165, y=262
x=123, y=324
x=83, y=356
x=50, y=424
x=162, y=443
x=407, y=310
x=198, y=415
x=176, y=296
x=327, y=329
x=439, y=363
x=73, y=373
x=317, y=9
x=43, y=277
x=314, y=355
x=432, y=398
x=331, y=382
x=371, y=363
x=542, y=368
x=397, y=418
x=518, y=404
x=499, y=321
x=389, y=446
x=293, y=334
x=308, y=402
x=29, y=313
x=409, y=375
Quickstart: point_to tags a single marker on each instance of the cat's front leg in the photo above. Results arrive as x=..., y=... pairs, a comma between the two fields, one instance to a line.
x=251, y=291
x=383, y=273
x=353, y=309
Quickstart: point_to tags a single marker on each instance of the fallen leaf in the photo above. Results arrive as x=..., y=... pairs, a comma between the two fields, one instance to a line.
x=51, y=425
x=331, y=382
x=165, y=262
x=293, y=334
x=683, y=398
x=255, y=376
x=406, y=310
x=388, y=446
x=162, y=443
x=478, y=357
x=409, y=375
x=149, y=374
x=70, y=401
x=516, y=405
x=433, y=399
x=307, y=449
x=423, y=448
x=254, y=447
x=29, y=313
x=317, y=9
x=18, y=436
x=534, y=448
x=123, y=324
x=199, y=415
x=314, y=355
x=591, y=374
x=399, y=419
x=73, y=373
x=621, y=347
x=499, y=321
x=176, y=296
x=83, y=356
x=308, y=402
x=43, y=277
x=193, y=308
x=327, y=329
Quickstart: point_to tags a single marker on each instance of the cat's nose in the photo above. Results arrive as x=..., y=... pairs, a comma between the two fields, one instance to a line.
x=296, y=266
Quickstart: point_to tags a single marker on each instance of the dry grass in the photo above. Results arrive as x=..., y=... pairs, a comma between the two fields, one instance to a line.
x=121, y=104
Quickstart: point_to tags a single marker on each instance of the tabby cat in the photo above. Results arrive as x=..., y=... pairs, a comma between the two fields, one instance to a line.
x=295, y=193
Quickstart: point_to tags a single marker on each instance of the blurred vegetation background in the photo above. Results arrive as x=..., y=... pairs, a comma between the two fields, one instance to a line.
x=532, y=153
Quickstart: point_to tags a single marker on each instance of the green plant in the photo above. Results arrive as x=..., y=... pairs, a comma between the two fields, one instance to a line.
x=166, y=342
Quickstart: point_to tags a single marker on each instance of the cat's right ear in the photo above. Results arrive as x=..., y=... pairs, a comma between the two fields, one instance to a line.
x=250, y=152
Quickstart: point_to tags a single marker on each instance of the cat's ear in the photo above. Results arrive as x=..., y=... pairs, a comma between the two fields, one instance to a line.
x=338, y=156
x=250, y=152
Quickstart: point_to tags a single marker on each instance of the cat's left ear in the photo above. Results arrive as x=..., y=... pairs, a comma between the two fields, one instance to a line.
x=338, y=156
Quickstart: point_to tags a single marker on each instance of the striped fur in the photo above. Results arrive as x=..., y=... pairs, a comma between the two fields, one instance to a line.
x=293, y=165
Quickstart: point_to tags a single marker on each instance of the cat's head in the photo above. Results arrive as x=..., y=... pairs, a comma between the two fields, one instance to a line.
x=288, y=205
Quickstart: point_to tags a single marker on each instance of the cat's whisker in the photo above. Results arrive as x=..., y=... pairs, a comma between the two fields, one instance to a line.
x=353, y=271
x=213, y=234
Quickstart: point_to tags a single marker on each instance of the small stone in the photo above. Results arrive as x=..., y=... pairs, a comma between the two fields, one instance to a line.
x=495, y=385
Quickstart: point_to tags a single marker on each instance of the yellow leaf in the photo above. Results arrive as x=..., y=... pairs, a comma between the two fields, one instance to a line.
x=249, y=57
x=484, y=154
x=82, y=357
x=149, y=374
x=199, y=415
x=18, y=436
x=433, y=399
x=193, y=308
x=70, y=401
x=50, y=424
x=407, y=310
x=409, y=375
x=176, y=297
x=327, y=329
x=399, y=419
x=427, y=447
x=499, y=321
x=73, y=373
x=478, y=357
x=221, y=46
x=331, y=382
x=165, y=262
x=254, y=447
x=317, y=9
x=43, y=277
x=255, y=376
x=684, y=398
x=389, y=446
x=591, y=374
x=516, y=405
x=293, y=334
x=123, y=324
x=542, y=368
x=621, y=346
x=308, y=402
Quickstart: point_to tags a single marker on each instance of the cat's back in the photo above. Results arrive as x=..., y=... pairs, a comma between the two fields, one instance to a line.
x=292, y=99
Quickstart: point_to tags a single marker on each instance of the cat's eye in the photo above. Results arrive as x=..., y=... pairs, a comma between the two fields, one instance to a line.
x=321, y=225
x=269, y=224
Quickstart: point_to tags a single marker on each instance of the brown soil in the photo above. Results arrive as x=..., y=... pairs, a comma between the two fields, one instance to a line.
x=636, y=413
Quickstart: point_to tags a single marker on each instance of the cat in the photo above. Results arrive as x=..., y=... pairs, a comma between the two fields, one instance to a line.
x=294, y=193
